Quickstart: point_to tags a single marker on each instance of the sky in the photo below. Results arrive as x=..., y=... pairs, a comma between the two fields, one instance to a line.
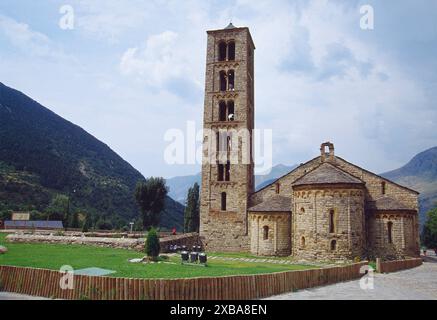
x=129, y=71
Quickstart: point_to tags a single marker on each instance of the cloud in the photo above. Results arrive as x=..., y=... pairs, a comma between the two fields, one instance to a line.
x=157, y=62
x=162, y=63
x=31, y=42
x=318, y=76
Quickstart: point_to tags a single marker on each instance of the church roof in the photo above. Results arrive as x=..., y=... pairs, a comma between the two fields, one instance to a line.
x=388, y=204
x=276, y=203
x=327, y=173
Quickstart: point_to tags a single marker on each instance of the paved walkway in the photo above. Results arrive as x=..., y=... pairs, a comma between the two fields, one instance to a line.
x=14, y=296
x=413, y=284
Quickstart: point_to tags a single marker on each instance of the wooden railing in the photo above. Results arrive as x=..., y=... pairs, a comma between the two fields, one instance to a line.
x=397, y=265
x=46, y=283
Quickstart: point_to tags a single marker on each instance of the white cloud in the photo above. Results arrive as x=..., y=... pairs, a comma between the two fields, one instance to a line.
x=157, y=62
x=31, y=42
x=318, y=76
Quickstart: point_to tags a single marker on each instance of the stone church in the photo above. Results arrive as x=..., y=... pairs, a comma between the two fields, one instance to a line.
x=325, y=209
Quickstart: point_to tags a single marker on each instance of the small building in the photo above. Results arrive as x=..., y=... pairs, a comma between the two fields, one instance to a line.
x=38, y=225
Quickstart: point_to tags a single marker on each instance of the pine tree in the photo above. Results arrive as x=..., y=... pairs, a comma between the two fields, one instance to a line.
x=192, y=214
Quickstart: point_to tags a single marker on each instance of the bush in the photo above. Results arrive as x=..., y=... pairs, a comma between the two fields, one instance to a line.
x=152, y=244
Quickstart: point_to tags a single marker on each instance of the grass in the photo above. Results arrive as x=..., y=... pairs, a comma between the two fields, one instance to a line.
x=53, y=256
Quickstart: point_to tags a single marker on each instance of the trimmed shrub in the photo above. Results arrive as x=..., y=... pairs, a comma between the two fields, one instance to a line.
x=152, y=244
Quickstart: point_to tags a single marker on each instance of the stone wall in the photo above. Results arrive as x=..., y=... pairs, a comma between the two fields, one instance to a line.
x=278, y=241
x=312, y=238
x=227, y=230
x=188, y=240
x=403, y=235
x=364, y=229
x=120, y=243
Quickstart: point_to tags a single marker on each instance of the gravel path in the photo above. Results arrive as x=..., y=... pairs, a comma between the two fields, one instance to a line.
x=413, y=284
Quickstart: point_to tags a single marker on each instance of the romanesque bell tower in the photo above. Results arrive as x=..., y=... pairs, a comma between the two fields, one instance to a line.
x=227, y=168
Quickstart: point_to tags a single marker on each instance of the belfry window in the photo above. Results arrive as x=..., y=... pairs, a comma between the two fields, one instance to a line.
x=331, y=221
x=223, y=81
x=231, y=111
x=228, y=171
x=223, y=201
x=265, y=233
x=231, y=51
x=390, y=232
x=222, y=111
x=231, y=80
x=221, y=172
x=222, y=51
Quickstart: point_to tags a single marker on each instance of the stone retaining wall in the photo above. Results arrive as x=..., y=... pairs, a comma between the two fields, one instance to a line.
x=120, y=243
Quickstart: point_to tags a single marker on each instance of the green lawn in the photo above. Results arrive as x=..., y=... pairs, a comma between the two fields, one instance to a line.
x=50, y=256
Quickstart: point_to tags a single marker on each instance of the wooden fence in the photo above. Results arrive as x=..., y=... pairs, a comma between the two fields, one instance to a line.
x=393, y=266
x=46, y=283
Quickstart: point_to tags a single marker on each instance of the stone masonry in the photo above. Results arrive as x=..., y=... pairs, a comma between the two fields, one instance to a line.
x=325, y=209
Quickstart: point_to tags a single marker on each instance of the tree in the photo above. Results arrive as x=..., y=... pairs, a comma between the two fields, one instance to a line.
x=150, y=195
x=59, y=209
x=75, y=220
x=192, y=214
x=87, y=224
x=152, y=244
x=103, y=224
x=429, y=234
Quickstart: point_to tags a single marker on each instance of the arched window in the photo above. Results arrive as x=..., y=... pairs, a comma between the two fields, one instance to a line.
x=333, y=245
x=383, y=187
x=231, y=110
x=228, y=171
x=231, y=51
x=390, y=231
x=331, y=221
x=222, y=111
x=223, y=81
x=277, y=188
x=302, y=242
x=221, y=172
x=302, y=210
x=229, y=143
x=231, y=80
x=266, y=233
x=222, y=51
x=223, y=201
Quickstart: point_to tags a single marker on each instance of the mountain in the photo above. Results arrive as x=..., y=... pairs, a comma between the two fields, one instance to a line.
x=42, y=155
x=420, y=174
x=179, y=185
x=278, y=171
